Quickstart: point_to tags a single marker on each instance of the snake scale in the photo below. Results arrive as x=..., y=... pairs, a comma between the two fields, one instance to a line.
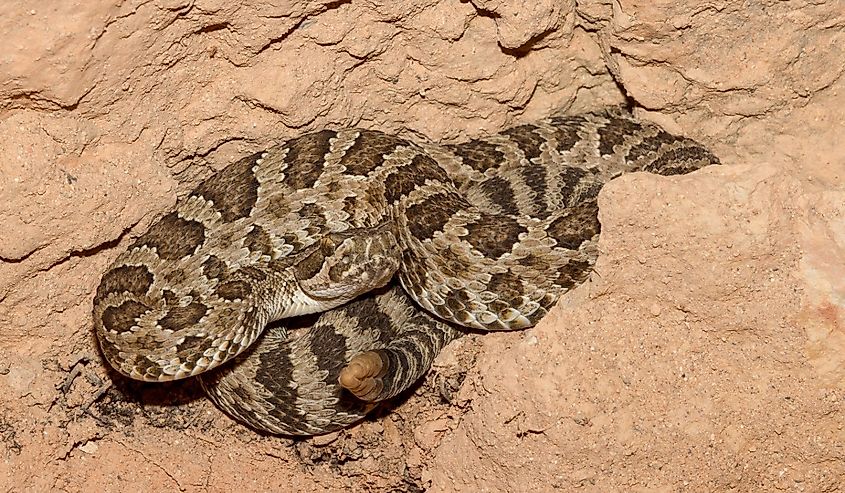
x=485, y=234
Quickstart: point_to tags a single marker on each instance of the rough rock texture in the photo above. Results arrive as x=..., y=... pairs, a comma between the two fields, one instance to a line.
x=707, y=353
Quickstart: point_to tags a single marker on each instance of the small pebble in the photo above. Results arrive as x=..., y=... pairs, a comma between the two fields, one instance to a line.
x=89, y=447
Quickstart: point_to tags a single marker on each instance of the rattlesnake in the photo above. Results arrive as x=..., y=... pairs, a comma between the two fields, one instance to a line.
x=486, y=234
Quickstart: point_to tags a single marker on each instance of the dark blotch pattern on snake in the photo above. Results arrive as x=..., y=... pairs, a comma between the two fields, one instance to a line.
x=486, y=234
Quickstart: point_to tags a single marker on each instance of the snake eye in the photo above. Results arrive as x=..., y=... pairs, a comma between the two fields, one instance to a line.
x=327, y=246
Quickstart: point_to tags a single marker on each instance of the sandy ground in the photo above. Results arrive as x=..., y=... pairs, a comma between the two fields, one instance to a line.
x=707, y=353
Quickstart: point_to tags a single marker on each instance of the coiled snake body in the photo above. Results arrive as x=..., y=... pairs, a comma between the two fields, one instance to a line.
x=486, y=234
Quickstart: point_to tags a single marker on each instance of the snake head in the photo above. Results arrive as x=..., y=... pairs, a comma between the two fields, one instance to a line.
x=346, y=266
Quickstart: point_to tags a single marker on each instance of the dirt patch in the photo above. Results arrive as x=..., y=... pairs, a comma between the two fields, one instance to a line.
x=705, y=354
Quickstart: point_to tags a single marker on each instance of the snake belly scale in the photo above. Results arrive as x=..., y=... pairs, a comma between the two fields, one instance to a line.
x=485, y=234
